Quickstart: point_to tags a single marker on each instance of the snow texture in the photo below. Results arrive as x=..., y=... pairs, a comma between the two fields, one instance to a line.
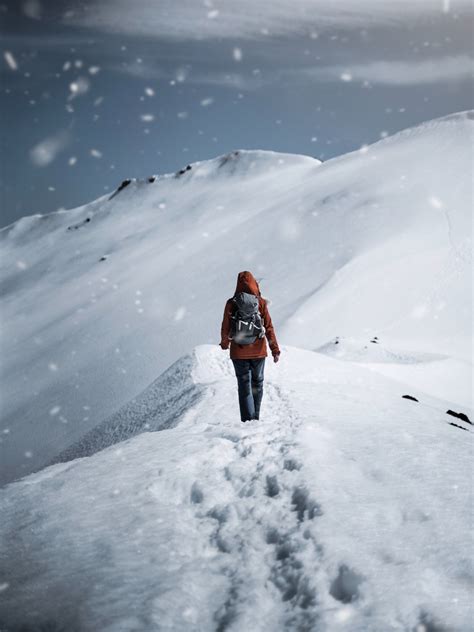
x=346, y=508
x=100, y=300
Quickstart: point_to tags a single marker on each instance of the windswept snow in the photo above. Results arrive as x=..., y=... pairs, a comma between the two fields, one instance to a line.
x=99, y=300
x=345, y=508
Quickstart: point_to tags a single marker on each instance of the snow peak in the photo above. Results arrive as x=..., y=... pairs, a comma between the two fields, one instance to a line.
x=246, y=323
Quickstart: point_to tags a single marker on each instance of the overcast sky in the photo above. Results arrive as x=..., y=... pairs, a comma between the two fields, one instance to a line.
x=93, y=92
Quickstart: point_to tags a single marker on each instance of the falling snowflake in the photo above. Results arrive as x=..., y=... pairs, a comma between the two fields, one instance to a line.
x=78, y=87
x=147, y=117
x=10, y=59
x=96, y=153
x=149, y=92
x=93, y=70
x=435, y=202
x=180, y=312
x=47, y=150
x=237, y=54
x=181, y=75
x=346, y=76
x=207, y=101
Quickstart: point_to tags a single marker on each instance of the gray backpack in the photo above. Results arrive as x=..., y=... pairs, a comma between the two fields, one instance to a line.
x=246, y=323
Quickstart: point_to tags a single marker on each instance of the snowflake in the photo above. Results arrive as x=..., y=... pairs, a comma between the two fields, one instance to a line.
x=46, y=151
x=78, y=87
x=180, y=312
x=435, y=202
x=237, y=54
x=181, y=75
x=10, y=59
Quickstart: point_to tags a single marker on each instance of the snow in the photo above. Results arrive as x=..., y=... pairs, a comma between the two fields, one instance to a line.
x=348, y=506
x=345, y=508
x=47, y=150
x=353, y=247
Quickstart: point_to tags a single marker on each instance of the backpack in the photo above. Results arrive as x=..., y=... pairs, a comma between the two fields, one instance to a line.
x=246, y=323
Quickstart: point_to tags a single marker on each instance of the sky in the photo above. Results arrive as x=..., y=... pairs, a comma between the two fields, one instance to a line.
x=93, y=92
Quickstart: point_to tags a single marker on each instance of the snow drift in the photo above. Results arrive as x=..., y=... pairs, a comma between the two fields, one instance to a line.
x=161, y=405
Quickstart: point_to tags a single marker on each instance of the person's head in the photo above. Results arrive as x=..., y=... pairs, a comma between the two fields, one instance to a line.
x=246, y=282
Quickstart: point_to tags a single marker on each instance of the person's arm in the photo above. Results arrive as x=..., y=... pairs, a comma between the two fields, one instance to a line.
x=225, y=327
x=269, y=331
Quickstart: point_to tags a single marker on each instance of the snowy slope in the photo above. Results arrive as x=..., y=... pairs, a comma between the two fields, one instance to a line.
x=376, y=242
x=346, y=508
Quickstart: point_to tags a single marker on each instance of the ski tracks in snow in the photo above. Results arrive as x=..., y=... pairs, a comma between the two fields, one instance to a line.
x=269, y=555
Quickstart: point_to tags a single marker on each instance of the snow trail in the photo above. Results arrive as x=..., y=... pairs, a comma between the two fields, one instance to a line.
x=344, y=508
x=273, y=505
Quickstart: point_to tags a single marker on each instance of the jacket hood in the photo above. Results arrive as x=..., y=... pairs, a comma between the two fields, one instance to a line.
x=246, y=282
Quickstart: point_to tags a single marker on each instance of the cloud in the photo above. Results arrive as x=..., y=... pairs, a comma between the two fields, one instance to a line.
x=211, y=77
x=398, y=73
x=210, y=19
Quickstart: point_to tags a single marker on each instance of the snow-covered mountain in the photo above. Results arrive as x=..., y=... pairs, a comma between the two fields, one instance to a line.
x=99, y=300
x=349, y=505
x=347, y=508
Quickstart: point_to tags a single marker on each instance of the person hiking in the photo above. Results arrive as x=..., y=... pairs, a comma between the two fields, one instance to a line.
x=245, y=325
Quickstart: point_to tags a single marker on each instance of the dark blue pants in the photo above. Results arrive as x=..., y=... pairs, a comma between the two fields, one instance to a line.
x=249, y=375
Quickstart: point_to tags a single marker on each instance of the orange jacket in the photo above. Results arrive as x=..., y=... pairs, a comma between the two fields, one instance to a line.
x=246, y=282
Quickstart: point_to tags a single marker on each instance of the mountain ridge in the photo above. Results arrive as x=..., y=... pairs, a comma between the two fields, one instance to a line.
x=99, y=300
